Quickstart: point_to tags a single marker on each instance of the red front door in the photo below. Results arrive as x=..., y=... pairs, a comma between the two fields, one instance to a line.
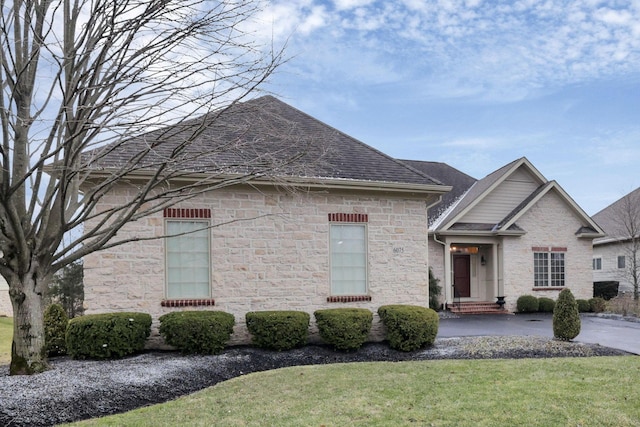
x=461, y=276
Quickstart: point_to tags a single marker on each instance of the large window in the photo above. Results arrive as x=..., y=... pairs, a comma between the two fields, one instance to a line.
x=348, y=259
x=188, y=259
x=548, y=269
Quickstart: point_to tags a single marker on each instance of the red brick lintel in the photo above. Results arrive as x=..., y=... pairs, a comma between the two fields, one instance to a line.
x=348, y=217
x=187, y=213
x=349, y=298
x=187, y=302
x=548, y=249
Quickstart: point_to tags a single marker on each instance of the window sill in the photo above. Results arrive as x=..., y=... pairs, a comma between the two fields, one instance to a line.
x=349, y=298
x=187, y=302
x=548, y=288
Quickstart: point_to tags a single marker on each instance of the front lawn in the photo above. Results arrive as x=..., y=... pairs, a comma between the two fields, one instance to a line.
x=6, y=336
x=593, y=391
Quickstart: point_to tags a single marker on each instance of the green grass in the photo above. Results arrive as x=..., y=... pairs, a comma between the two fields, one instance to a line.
x=6, y=336
x=597, y=391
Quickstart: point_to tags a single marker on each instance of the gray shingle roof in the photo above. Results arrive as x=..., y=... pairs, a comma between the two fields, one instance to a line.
x=609, y=218
x=261, y=134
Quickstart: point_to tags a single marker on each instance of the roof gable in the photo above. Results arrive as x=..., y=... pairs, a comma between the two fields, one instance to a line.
x=248, y=136
x=619, y=217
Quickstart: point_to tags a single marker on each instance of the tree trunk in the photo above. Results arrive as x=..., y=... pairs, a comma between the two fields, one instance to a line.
x=28, y=351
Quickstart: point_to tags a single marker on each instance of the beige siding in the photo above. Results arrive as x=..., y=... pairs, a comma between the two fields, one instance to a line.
x=501, y=201
x=610, y=272
x=271, y=254
x=550, y=222
x=5, y=303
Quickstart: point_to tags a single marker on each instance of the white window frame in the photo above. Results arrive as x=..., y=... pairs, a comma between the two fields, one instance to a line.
x=333, y=261
x=205, y=230
x=597, y=263
x=549, y=269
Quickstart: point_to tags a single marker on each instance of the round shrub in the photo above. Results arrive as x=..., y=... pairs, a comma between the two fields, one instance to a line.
x=55, y=329
x=409, y=327
x=546, y=305
x=583, y=305
x=527, y=304
x=344, y=328
x=200, y=332
x=278, y=330
x=566, y=319
x=106, y=336
x=597, y=304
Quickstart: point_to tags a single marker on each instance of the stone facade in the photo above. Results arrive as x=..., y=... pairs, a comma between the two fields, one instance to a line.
x=549, y=223
x=270, y=253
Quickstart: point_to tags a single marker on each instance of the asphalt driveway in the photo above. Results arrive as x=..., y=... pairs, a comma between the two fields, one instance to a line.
x=615, y=333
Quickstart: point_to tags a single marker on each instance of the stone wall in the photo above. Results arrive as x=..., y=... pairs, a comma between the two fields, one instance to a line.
x=271, y=253
x=550, y=223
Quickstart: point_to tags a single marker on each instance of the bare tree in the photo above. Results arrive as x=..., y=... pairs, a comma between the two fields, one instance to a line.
x=80, y=80
x=623, y=225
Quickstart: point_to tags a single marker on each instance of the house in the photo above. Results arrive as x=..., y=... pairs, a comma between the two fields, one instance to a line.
x=5, y=303
x=509, y=234
x=616, y=256
x=336, y=224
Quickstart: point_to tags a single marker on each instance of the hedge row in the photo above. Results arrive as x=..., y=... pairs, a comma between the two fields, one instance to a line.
x=113, y=335
x=531, y=304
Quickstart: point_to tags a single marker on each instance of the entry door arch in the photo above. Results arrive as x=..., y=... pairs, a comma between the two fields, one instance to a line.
x=462, y=276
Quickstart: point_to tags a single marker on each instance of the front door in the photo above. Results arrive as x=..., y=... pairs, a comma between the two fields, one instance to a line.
x=462, y=276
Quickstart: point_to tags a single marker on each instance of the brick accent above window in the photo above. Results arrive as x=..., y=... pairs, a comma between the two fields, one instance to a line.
x=348, y=217
x=549, y=249
x=187, y=302
x=187, y=213
x=349, y=298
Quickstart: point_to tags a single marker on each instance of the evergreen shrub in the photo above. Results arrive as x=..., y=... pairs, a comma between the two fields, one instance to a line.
x=435, y=290
x=199, y=332
x=55, y=329
x=583, y=305
x=107, y=336
x=597, y=304
x=278, y=330
x=566, y=318
x=409, y=327
x=546, y=305
x=527, y=304
x=344, y=328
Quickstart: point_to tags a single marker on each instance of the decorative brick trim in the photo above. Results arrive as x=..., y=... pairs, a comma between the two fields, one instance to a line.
x=187, y=213
x=558, y=249
x=348, y=217
x=187, y=302
x=540, y=248
x=349, y=298
x=547, y=288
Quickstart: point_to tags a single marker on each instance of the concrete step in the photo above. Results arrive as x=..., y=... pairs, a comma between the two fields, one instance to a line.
x=476, y=308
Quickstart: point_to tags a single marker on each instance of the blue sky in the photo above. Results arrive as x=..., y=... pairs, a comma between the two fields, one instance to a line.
x=474, y=83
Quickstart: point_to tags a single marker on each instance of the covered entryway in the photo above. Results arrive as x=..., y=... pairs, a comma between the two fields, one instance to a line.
x=462, y=276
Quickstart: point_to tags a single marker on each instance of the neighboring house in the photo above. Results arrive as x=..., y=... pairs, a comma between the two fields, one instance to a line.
x=342, y=225
x=509, y=234
x=5, y=303
x=613, y=254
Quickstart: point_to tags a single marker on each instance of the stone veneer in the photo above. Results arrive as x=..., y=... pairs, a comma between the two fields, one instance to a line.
x=271, y=253
x=549, y=223
x=5, y=303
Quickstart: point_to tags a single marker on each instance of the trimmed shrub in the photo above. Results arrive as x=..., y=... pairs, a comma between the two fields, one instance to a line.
x=597, y=304
x=200, y=332
x=344, y=328
x=583, y=305
x=409, y=327
x=546, y=305
x=605, y=290
x=55, y=328
x=566, y=319
x=527, y=304
x=278, y=330
x=107, y=336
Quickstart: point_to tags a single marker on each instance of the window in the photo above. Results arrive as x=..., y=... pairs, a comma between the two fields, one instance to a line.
x=597, y=263
x=188, y=258
x=348, y=246
x=548, y=269
x=621, y=261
